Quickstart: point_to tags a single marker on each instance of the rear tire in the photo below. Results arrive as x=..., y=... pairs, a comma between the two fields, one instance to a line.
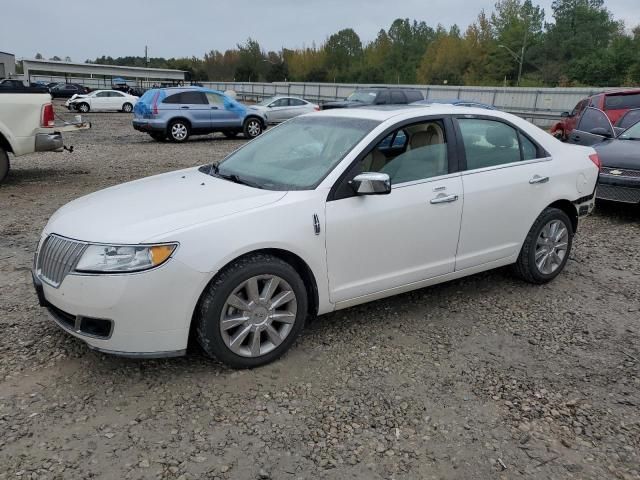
x=547, y=247
x=4, y=165
x=178, y=131
x=276, y=310
x=252, y=127
x=127, y=108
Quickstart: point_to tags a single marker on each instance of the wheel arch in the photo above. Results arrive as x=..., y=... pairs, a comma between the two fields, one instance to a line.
x=570, y=209
x=262, y=121
x=4, y=144
x=300, y=266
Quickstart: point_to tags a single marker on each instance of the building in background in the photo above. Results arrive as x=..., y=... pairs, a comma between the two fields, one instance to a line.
x=7, y=65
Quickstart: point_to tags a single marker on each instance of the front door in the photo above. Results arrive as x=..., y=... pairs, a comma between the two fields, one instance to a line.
x=507, y=181
x=379, y=242
x=594, y=127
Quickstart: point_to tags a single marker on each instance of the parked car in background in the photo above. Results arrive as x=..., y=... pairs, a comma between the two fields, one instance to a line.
x=179, y=112
x=377, y=96
x=619, y=152
x=67, y=90
x=309, y=218
x=12, y=83
x=280, y=108
x=628, y=119
x=459, y=102
x=613, y=104
x=108, y=100
x=27, y=124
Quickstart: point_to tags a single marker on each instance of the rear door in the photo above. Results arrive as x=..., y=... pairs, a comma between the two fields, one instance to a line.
x=506, y=181
x=278, y=110
x=594, y=127
x=193, y=106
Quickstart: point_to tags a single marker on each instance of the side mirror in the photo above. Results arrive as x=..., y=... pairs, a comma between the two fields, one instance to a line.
x=371, y=183
x=565, y=114
x=603, y=132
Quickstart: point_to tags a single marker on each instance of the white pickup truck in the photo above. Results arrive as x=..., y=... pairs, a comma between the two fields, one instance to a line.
x=27, y=125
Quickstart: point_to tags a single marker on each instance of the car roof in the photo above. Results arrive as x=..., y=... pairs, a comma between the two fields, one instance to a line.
x=386, y=112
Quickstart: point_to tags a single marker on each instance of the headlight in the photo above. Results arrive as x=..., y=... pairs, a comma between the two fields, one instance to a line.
x=123, y=258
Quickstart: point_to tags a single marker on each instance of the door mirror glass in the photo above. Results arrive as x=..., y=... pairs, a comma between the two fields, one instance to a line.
x=603, y=132
x=565, y=114
x=372, y=183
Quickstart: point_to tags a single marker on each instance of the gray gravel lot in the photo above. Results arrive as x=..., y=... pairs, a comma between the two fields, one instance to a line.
x=486, y=377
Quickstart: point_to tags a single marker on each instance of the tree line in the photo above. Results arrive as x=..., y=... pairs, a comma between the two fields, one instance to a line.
x=581, y=44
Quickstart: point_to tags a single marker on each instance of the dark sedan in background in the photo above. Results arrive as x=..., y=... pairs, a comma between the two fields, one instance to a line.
x=68, y=90
x=619, y=151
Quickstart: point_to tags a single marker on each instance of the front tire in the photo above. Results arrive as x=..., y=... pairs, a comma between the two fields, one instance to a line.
x=84, y=108
x=179, y=131
x=4, y=165
x=547, y=247
x=127, y=108
x=252, y=128
x=252, y=312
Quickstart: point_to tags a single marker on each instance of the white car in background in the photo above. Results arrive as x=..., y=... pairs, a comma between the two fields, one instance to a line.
x=323, y=212
x=104, y=100
x=280, y=108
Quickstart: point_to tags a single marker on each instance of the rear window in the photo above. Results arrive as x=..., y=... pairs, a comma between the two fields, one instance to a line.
x=630, y=118
x=398, y=97
x=620, y=102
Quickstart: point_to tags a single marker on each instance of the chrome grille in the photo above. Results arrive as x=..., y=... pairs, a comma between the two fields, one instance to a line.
x=618, y=194
x=624, y=172
x=57, y=257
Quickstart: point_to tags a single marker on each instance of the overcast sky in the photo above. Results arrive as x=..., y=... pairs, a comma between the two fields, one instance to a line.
x=85, y=29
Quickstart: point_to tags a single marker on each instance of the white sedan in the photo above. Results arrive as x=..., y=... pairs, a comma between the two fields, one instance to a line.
x=278, y=109
x=107, y=100
x=323, y=212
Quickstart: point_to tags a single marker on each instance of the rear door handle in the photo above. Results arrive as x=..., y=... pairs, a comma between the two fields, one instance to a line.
x=184, y=106
x=538, y=179
x=442, y=198
x=214, y=108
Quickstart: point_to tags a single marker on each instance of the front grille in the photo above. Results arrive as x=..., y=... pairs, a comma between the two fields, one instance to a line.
x=57, y=257
x=618, y=194
x=624, y=172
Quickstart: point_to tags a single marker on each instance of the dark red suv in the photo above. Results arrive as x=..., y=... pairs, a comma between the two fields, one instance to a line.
x=613, y=104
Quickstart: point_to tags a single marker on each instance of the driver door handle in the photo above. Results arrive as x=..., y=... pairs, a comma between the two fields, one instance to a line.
x=184, y=106
x=442, y=198
x=538, y=179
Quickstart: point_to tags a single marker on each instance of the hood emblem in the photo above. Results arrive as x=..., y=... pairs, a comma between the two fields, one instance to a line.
x=615, y=172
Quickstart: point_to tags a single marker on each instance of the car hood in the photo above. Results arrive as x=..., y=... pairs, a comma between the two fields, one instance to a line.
x=619, y=153
x=143, y=210
x=76, y=96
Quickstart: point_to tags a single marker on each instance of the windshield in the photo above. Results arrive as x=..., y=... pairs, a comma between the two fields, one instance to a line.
x=296, y=155
x=632, y=133
x=266, y=101
x=362, y=96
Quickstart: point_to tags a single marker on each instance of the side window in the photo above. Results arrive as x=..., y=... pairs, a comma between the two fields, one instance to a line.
x=593, y=118
x=629, y=118
x=415, y=152
x=383, y=98
x=488, y=143
x=103, y=94
x=529, y=149
x=116, y=94
x=71, y=87
x=296, y=102
x=194, y=98
x=413, y=96
x=215, y=99
x=281, y=102
x=397, y=97
x=175, y=98
x=621, y=102
x=579, y=107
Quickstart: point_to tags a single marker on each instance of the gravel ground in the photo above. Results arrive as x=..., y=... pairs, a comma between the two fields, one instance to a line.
x=486, y=377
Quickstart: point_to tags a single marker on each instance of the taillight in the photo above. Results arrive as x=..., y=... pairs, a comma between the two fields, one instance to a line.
x=154, y=104
x=48, y=119
x=317, y=108
x=596, y=160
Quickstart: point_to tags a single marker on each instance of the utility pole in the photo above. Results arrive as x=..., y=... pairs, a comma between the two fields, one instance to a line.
x=146, y=56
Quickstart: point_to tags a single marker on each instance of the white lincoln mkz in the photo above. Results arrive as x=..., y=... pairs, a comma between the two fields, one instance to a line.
x=323, y=212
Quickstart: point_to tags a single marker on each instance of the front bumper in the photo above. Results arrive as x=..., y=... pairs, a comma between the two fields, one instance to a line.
x=49, y=142
x=145, y=314
x=615, y=188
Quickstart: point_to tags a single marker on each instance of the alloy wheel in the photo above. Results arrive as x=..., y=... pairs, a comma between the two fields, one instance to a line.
x=254, y=128
x=551, y=246
x=179, y=131
x=258, y=315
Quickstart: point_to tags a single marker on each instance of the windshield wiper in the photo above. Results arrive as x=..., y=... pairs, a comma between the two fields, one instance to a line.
x=215, y=170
